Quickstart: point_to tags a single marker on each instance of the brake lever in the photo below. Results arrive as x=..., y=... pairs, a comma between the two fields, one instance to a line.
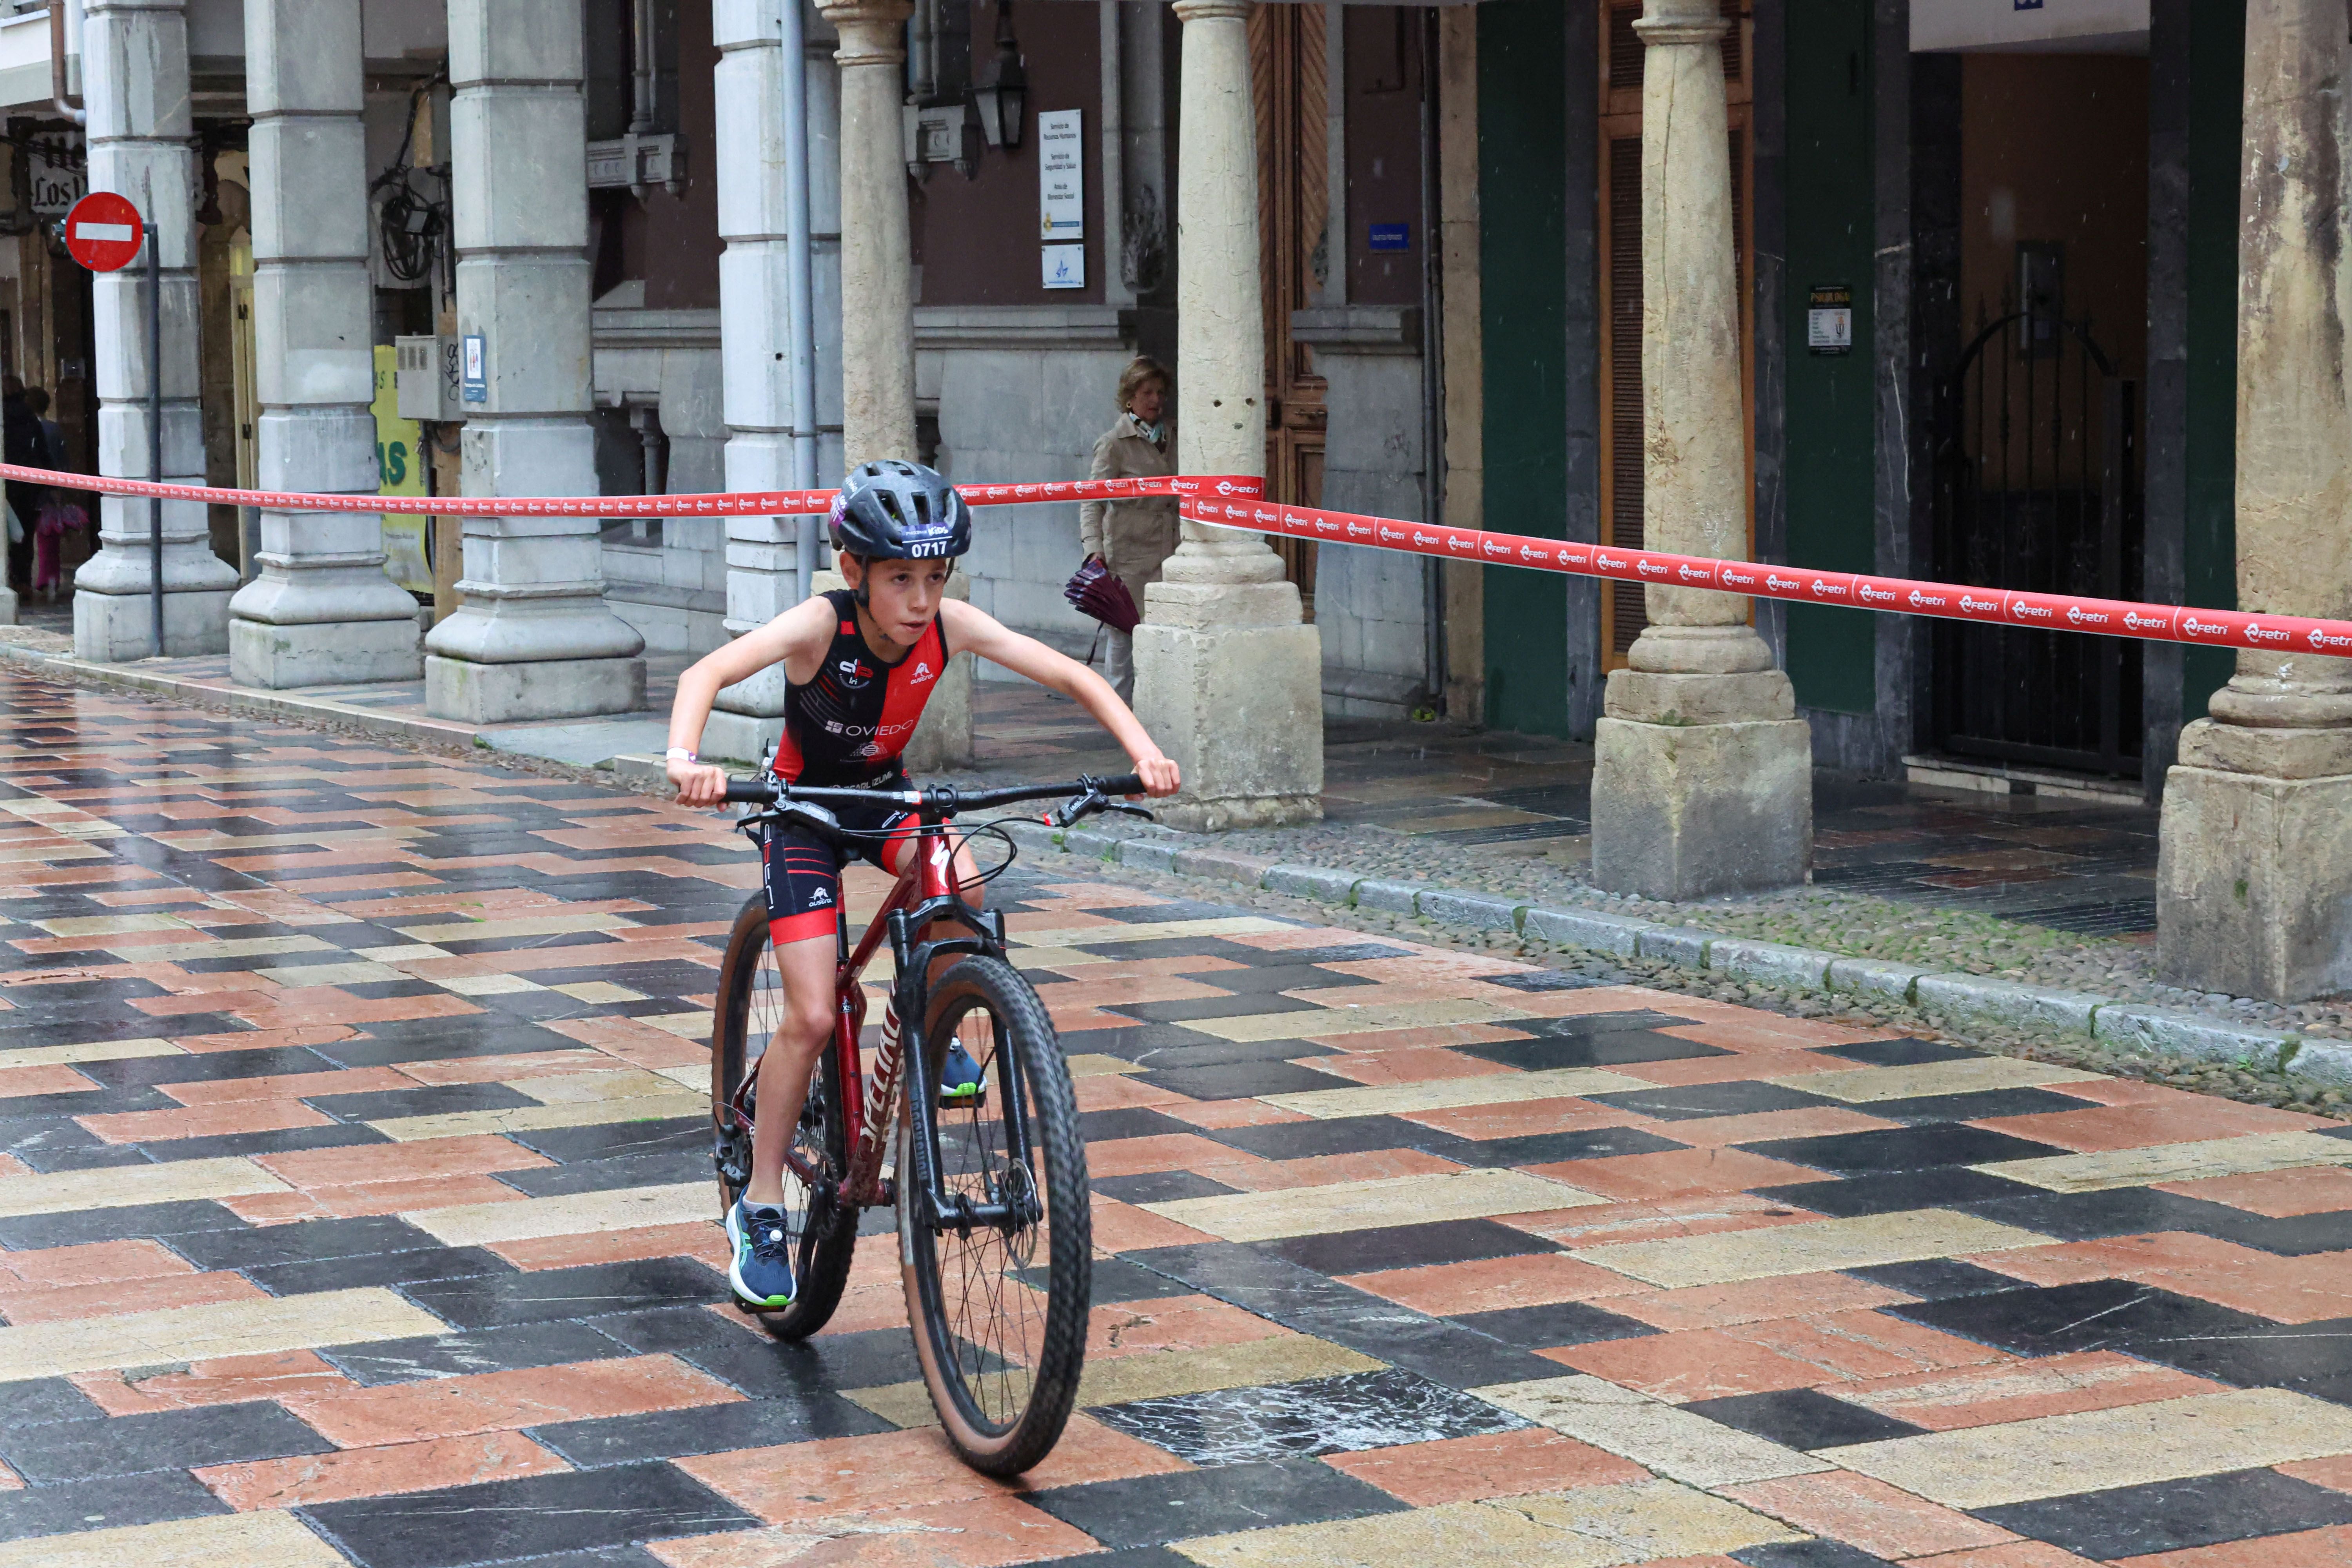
x=1072, y=811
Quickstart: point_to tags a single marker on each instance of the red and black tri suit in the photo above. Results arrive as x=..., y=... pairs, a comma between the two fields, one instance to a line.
x=845, y=730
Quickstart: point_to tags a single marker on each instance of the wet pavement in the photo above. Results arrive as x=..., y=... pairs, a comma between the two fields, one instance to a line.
x=356, y=1208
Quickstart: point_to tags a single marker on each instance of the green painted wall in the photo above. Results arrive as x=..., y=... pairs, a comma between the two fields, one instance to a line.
x=2216, y=118
x=1827, y=473
x=1523, y=271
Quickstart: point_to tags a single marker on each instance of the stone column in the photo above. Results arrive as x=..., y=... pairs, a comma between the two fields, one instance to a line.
x=321, y=609
x=135, y=85
x=1702, y=778
x=877, y=280
x=1229, y=680
x=533, y=638
x=2254, y=867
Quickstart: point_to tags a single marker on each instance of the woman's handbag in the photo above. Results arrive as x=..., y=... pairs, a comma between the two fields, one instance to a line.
x=1093, y=591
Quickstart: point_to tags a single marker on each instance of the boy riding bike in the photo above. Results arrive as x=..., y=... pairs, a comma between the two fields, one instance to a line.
x=858, y=666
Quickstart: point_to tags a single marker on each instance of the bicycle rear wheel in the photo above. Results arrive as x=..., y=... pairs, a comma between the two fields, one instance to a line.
x=824, y=1232
x=999, y=1309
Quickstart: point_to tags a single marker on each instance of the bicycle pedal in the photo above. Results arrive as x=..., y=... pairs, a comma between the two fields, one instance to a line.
x=959, y=1098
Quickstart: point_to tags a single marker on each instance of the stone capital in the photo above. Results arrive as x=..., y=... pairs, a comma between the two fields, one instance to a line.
x=873, y=32
x=1213, y=10
x=1665, y=22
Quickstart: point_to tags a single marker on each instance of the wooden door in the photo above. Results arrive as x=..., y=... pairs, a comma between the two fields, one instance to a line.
x=1287, y=81
x=1623, y=614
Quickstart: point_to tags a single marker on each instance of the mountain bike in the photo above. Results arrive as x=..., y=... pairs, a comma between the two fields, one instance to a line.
x=995, y=1245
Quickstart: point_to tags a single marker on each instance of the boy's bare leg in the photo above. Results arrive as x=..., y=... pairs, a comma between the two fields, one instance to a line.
x=789, y=1059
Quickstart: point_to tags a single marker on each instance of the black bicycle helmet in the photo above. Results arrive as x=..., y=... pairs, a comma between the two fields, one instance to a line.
x=892, y=510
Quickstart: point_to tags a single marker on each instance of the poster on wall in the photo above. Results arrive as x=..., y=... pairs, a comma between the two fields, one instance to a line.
x=1061, y=176
x=400, y=471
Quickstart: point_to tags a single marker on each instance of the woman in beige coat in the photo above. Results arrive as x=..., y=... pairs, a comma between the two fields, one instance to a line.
x=1132, y=537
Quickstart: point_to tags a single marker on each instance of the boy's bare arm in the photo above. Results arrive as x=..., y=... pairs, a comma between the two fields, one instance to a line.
x=979, y=633
x=799, y=636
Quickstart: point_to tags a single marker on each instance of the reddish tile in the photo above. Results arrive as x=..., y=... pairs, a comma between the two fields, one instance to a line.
x=203, y=1120
x=1370, y=1165
x=52, y=1077
x=1172, y=1322
x=1492, y=1284
x=2286, y=1289
x=2190, y=1118
x=93, y=1263
x=1676, y=1172
x=1754, y=1300
x=497, y=1401
x=2006, y=1391
x=368, y=1164
x=286, y=1086
x=1698, y=1363
x=2329, y=1547
x=1505, y=1464
x=378, y=1472
x=1707, y=1215
x=1864, y=1345
x=507, y=1070
x=2019, y=1555
x=1525, y=1118
x=2334, y=1473
x=1169, y=1151
x=1119, y=1092
x=2281, y=1195
x=1412, y=1064
x=701, y=1239
x=378, y=1197
x=1883, y=1520
x=1232, y=1113
x=1123, y=1227
x=232, y=1380
x=977, y=1533
x=106, y=1299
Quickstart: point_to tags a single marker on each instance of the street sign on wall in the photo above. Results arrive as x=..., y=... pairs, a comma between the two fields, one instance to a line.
x=103, y=232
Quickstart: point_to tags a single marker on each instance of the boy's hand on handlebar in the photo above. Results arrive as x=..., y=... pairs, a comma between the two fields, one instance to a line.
x=1159, y=774
x=699, y=784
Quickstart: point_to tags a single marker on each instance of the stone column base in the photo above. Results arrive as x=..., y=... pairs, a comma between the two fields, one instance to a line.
x=1696, y=811
x=543, y=688
x=2252, y=874
x=7, y=605
x=741, y=737
x=1230, y=704
x=323, y=653
x=114, y=628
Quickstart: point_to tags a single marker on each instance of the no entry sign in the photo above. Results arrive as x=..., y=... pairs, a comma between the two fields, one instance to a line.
x=103, y=231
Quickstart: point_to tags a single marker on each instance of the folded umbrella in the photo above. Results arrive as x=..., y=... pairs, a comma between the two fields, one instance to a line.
x=1095, y=591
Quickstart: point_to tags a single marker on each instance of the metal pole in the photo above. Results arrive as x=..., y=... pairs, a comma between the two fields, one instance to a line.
x=155, y=426
x=799, y=287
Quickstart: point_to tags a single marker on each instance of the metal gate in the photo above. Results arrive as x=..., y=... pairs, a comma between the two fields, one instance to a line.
x=2036, y=488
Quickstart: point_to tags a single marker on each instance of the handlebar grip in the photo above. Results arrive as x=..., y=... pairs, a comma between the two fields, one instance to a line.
x=757, y=790
x=1126, y=783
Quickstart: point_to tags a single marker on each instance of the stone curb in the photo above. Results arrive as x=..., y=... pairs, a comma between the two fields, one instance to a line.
x=1957, y=999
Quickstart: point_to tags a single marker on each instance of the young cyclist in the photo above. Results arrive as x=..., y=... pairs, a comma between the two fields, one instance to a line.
x=859, y=668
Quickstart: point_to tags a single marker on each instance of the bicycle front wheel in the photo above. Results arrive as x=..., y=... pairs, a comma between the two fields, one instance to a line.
x=998, y=1280
x=824, y=1231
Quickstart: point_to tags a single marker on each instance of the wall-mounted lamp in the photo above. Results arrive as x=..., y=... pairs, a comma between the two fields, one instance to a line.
x=1000, y=89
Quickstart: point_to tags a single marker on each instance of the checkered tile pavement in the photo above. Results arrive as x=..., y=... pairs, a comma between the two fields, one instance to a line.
x=356, y=1208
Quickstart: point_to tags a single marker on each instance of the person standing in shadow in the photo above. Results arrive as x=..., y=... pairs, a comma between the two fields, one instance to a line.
x=1134, y=537
x=22, y=442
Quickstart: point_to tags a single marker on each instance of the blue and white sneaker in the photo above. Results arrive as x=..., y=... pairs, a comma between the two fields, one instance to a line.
x=960, y=1079
x=761, y=1272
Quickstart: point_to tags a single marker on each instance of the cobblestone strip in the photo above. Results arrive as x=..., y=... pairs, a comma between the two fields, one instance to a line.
x=1958, y=1001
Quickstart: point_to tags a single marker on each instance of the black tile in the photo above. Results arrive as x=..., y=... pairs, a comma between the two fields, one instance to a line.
x=709, y=1429
x=112, y=1503
x=1118, y=1280
x=1406, y=1247
x=1133, y=1042
x=311, y=1241
x=1689, y=1102
x=1159, y=1187
x=1542, y=980
x=132, y=1222
x=1146, y=1511
x=1814, y=1553
x=2173, y=1516
x=1350, y=1413
x=1245, y=1080
x=1610, y=1049
x=434, y=1100
x=573, y=1512
x=1935, y=1279
x=35, y=1401
x=200, y=1066
x=2118, y=1211
x=1554, y=1148
x=163, y=1440
x=1982, y=1105
x=277, y=1140
x=513, y=1349
x=2296, y=1235
x=1247, y=1004
x=1889, y=1191
x=1125, y=1557
x=1338, y=1135
x=743, y=1355
x=667, y=1169
x=1128, y=1121
x=620, y=1141
x=2097, y=1315
x=481, y=1035
x=1902, y=1149
x=1904, y=1052
x=1802, y=1418
x=1181, y=1058
x=1265, y=981
x=599, y=1289
x=384, y=1268
x=1553, y=1324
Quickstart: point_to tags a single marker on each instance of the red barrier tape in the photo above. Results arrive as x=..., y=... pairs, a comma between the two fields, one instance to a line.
x=1236, y=501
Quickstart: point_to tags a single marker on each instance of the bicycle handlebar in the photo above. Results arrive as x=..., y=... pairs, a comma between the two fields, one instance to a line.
x=945, y=799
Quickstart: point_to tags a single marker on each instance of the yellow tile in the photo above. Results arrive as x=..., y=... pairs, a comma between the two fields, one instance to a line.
x=1360, y=1205
x=1458, y=1534
x=1058, y=958
x=307, y=976
x=1158, y=1375
x=599, y=992
x=86, y=1051
x=205, y=840
x=1364, y=1020
x=2246, y=1157
x=111, y=925
x=529, y=1118
x=1677, y=1443
x=124, y=1186
x=1148, y=931
x=1489, y=1089
x=522, y=925
x=1648, y=1519
x=270, y=1539
x=1862, y=1242
x=695, y=1026
x=486, y=984
x=208, y=1331
x=410, y=953
x=572, y=1214
x=233, y=947
x=587, y=1088
x=2094, y=1451
x=1973, y=1076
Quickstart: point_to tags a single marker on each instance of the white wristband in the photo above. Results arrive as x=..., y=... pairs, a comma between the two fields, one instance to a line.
x=679, y=755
